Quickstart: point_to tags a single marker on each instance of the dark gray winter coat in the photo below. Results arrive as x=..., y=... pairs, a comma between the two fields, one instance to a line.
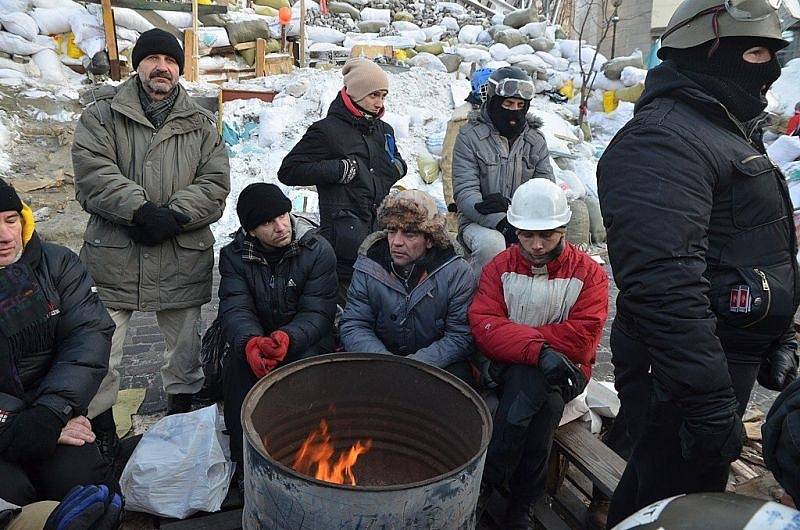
x=428, y=324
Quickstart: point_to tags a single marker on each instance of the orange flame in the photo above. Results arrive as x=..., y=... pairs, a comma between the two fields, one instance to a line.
x=316, y=454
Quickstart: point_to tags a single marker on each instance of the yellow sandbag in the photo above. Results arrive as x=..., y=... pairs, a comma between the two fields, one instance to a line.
x=610, y=101
x=428, y=168
x=400, y=55
x=275, y=4
x=630, y=94
x=266, y=11
x=72, y=48
x=568, y=90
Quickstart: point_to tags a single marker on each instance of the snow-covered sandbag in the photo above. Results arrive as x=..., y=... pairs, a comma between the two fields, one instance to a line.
x=556, y=63
x=555, y=52
x=510, y=37
x=575, y=185
x=14, y=44
x=473, y=55
x=569, y=49
x=601, y=82
x=51, y=21
x=19, y=24
x=271, y=123
x=451, y=7
x=469, y=34
x=57, y=4
x=402, y=25
x=521, y=49
x=399, y=122
x=521, y=17
x=45, y=41
x=371, y=26
x=28, y=69
x=177, y=18
x=451, y=61
x=50, y=65
x=398, y=41
x=428, y=61
x=588, y=57
x=542, y=44
x=586, y=170
x=383, y=15
x=85, y=26
x=14, y=6
x=450, y=24
x=133, y=35
x=434, y=33
x=344, y=8
x=323, y=34
x=96, y=44
x=497, y=19
x=8, y=73
x=613, y=68
x=484, y=37
x=540, y=85
x=529, y=58
x=632, y=76
x=784, y=150
x=418, y=36
x=534, y=30
x=128, y=18
x=324, y=47
x=497, y=64
x=499, y=51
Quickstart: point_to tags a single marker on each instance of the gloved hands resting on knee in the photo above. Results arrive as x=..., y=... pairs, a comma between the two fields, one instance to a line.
x=494, y=203
x=714, y=436
x=33, y=434
x=779, y=366
x=561, y=373
x=264, y=353
x=87, y=508
x=508, y=231
x=153, y=224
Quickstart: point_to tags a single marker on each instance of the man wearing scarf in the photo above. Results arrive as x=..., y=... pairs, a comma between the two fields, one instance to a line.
x=152, y=171
x=497, y=151
x=702, y=244
x=55, y=337
x=352, y=158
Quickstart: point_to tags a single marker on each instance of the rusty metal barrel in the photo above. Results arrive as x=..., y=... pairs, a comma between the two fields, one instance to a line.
x=428, y=435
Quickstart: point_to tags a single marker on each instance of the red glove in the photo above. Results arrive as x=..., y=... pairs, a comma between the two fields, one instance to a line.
x=258, y=361
x=279, y=347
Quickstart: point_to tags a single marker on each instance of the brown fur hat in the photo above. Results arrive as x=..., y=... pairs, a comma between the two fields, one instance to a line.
x=414, y=211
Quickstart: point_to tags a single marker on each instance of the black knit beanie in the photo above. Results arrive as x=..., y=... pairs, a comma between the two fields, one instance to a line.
x=157, y=41
x=259, y=203
x=9, y=200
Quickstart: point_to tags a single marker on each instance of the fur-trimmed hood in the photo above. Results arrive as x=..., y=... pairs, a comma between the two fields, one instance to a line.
x=414, y=210
x=375, y=237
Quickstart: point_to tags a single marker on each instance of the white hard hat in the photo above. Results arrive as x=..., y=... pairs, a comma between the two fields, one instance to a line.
x=539, y=204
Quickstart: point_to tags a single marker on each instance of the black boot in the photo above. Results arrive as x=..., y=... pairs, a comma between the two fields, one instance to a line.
x=105, y=430
x=179, y=403
x=518, y=516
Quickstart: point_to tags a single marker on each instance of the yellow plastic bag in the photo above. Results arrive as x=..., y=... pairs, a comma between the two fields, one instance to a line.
x=72, y=49
x=400, y=55
x=610, y=101
x=568, y=90
x=428, y=168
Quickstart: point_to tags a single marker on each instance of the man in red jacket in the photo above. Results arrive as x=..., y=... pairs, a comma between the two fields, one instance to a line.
x=793, y=129
x=538, y=317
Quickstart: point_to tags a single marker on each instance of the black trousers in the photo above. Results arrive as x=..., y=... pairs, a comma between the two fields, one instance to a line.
x=524, y=425
x=51, y=478
x=656, y=468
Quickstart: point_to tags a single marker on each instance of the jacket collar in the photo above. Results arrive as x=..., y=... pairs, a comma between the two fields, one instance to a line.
x=551, y=267
x=185, y=116
x=248, y=248
x=485, y=128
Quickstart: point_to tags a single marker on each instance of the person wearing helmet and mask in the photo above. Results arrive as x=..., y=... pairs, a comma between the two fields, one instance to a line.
x=498, y=150
x=479, y=80
x=702, y=244
x=538, y=316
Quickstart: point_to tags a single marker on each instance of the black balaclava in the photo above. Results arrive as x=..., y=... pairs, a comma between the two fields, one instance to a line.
x=733, y=81
x=502, y=118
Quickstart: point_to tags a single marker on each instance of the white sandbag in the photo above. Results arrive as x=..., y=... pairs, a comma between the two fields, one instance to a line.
x=177, y=18
x=57, y=4
x=434, y=33
x=399, y=122
x=128, y=18
x=93, y=45
x=418, y=36
x=14, y=6
x=398, y=41
x=534, y=30
x=428, y=61
x=784, y=150
x=497, y=19
x=529, y=58
x=569, y=49
x=497, y=64
x=601, y=82
x=19, y=24
x=14, y=44
x=632, y=76
x=51, y=21
x=212, y=37
x=577, y=189
x=50, y=65
x=588, y=58
x=323, y=34
x=555, y=52
x=499, y=51
x=469, y=34
x=451, y=7
x=473, y=55
x=402, y=25
x=45, y=41
x=586, y=170
x=555, y=63
x=28, y=69
x=7, y=73
x=521, y=49
x=381, y=15
x=85, y=26
x=133, y=35
x=484, y=37
x=325, y=47
x=450, y=24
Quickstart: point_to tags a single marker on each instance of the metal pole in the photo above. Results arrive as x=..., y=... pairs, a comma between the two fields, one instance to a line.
x=614, y=21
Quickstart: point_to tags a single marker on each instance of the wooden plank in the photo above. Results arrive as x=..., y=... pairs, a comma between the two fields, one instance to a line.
x=195, y=42
x=161, y=23
x=371, y=51
x=595, y=459
x=278, y=63
x=189, y=64
x=149, y=5
x=110, y=31
x=229, y=94
x=303, y=63
x=571, y=506
x=261, y=51
x=244, y=46
x=231, y=520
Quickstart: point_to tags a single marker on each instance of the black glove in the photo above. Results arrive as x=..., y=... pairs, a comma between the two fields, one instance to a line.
x=779, y=366
x=508, y=231
x=561, y=373
x=154, y=225
x=87, y=508
x=33, y=434
x=349, y=170
x=494, y=203
x=713, y=439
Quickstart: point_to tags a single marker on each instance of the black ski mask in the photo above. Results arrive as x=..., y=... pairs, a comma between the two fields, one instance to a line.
x=737, y=84
x=509, y=123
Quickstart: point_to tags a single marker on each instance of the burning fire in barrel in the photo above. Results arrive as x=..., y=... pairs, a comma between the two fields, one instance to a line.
x=362, y=441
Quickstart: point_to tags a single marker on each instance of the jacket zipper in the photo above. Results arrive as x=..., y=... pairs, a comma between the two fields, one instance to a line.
x=767, y=293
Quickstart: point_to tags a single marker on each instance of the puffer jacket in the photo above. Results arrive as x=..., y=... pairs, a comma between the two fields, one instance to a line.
x=296, y=295
x=459, y=118
x=781, y=433
x=483, y=164
x=347, y=211
x=519, y=307
x=427, y=323
x=120, y=162
x=61, y=362
x=700, y=238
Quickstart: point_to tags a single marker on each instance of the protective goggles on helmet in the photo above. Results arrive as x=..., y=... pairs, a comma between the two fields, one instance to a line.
x=514, y=88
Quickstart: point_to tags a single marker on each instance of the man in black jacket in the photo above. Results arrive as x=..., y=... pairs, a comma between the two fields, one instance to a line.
x=277, y=296
x=352, y=158
x=55, y=338
x=702, y=244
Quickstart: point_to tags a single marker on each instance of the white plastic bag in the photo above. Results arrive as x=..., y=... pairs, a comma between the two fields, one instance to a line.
x=20, y=24
x=52, y=21
x=16, y=45
x=181, y=466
